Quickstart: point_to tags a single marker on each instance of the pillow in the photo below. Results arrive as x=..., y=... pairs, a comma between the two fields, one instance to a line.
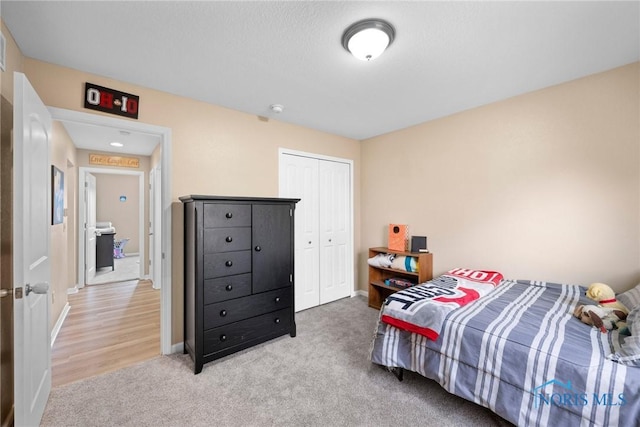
x=405, y=263
x=630, y=298
x=629, y=352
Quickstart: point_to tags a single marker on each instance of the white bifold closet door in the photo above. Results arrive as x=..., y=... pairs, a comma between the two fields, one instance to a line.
x=322, y=227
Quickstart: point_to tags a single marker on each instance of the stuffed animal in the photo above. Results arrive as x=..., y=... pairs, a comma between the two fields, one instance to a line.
x=602, y=318
x=605, y=297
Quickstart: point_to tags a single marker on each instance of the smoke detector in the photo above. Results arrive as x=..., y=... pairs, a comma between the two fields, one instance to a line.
x=277, y=108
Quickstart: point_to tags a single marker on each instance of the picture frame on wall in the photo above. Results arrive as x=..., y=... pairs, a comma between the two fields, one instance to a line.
x=57, y=196
x=3, y=52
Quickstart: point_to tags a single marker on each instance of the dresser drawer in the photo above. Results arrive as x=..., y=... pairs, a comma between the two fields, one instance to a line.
x=227, y=239
x=226, y=264
x=237, y=333
x=226, y=215
x=222, y=313
x=229, y=287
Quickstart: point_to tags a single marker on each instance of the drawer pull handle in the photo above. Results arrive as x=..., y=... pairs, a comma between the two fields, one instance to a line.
x=258, y=248
x=228, y=287
x=229, y=239
x=228, y=263
x=223, y=313
x=277, y=299
x=229, y=215
x=223, y=337
x=277, y=320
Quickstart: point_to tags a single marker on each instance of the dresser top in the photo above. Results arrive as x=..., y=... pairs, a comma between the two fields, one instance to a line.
x=196, y=197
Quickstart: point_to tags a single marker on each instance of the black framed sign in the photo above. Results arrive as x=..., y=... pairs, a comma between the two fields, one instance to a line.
x=111, y=101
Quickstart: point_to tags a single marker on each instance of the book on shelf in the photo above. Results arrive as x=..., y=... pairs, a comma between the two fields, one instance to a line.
x=398, y=282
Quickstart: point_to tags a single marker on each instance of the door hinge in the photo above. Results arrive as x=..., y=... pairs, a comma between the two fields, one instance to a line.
x=290, y=212
x=86, y=184
x=290, y=278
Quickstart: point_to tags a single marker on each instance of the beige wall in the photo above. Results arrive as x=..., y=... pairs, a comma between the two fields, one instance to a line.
x=541, y=186
x=215, y=150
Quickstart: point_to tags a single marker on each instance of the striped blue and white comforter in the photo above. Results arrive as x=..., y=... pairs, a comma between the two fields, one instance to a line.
x=519, y=352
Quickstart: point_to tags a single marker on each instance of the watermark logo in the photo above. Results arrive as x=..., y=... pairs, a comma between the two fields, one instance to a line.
x=563, y=394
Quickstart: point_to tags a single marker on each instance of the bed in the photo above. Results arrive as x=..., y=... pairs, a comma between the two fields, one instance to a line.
x=518, y=350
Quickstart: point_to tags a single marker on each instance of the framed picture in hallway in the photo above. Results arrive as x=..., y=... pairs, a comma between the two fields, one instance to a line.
x=57, y=195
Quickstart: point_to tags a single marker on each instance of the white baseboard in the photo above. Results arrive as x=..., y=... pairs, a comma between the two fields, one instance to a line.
x=73, y=290
x=363, y=293
x=177, y=348
x=59, y=322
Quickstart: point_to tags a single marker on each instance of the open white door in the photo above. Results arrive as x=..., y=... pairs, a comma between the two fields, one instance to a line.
x=31, y=261
x=90, y=227
x=152, y=185
x=155, y=227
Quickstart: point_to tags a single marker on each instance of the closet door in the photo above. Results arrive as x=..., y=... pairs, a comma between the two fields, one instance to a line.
x=323, y=246
x=299, y=179
x=335, y=230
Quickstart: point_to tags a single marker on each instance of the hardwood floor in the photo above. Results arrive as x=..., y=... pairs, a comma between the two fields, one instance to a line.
x=108, y=327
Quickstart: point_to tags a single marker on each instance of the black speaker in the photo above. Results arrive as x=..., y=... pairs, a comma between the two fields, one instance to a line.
x=419, y=244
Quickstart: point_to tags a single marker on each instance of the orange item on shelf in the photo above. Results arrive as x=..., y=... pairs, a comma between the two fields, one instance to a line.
x=398, y=237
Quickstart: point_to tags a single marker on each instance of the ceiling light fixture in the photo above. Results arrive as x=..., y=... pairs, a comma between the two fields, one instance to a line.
x=116, y=144
x=367, y=39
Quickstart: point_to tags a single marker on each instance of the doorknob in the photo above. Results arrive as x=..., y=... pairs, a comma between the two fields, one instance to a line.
x=38, y=288
x=5, y=292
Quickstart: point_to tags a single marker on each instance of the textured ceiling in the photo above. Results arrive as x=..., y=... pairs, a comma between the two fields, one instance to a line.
x=447, y=56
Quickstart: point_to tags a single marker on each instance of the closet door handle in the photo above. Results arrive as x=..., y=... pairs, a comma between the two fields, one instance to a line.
x=228, y=287
x=223, y=337
x=258, y=248
x=223, y=313
x=229, y=215
x=229, y=239
x=228, y=263
x=277, y=299
x=277, y=320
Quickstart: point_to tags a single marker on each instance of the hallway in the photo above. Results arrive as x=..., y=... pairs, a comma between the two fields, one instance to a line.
x=127, y=268
x=108, y=327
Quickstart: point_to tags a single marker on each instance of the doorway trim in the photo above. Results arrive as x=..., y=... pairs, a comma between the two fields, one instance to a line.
x=164, y=133
x=82, y=171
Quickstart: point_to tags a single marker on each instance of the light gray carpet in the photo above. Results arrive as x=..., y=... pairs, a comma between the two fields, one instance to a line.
x=322, y=377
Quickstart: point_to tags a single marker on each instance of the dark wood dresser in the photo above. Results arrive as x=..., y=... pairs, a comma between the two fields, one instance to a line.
x=238, y=274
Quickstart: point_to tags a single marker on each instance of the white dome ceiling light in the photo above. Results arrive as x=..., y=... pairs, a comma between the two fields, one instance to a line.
x=367, y=39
